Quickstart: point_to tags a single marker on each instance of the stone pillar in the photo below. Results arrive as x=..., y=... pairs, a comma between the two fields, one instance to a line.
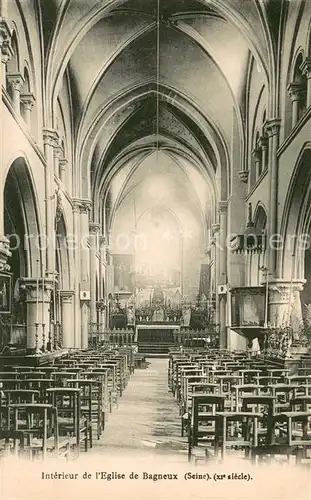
x=215, y=256
x=38, y=302
x=273, y=130
x=102, y=265
x=256, y=153
x=263, y=141
x=294, y=90
x=15, y=82
x=94, y=231
x=76, y=256
x=85, y=206
x=50, y=138
x=223, y=274
x=27, y=102
x=284, y=308
x=306, y=70
x=67, y=315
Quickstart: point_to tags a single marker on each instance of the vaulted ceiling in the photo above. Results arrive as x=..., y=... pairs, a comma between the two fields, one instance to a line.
x=155, y=74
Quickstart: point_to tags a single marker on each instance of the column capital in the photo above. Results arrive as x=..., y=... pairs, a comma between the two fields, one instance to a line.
x=67, y=296
x=82, y=205
x=94, y=227
x=16, y=80
x=243, y=174
x=63, y=163
x=50, y=137
x=273, y=126
x=5, y=33
x=6, y=50
x=27, y=100
x=294, y=91
x=280, y=290
x=215, y=229
x=305, y=67
x=222, y=207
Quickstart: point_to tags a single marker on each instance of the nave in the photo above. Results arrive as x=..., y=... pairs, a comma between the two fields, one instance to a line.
x=200, y=405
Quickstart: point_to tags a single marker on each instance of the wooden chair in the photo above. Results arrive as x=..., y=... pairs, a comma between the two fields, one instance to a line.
x=37, y=425
x=68, y=403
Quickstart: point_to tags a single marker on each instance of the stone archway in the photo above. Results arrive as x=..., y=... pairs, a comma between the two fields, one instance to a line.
x=21, y=227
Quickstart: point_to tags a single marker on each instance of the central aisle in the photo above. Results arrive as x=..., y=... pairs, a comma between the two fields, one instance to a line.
x=147, y=418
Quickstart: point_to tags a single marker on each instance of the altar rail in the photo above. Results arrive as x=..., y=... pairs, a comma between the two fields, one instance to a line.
x=117, y=337
x=195, y=338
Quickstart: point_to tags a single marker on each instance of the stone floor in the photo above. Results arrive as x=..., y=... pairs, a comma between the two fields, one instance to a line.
x=147, y=418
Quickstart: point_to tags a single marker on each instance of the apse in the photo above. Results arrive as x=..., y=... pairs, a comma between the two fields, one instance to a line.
x=158, y=222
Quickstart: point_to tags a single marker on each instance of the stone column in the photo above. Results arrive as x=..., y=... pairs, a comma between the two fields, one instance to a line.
x=263, y=141
x=50, y=138
x=94, y=228
x=27, y=102
x=76, y=256
x=102, y=264
x=15, y=82
x=215, y=256
x=273, y=130
x=284, y=308
x=85, y=206
x=67, y=315
x=306, y=70
x=223, y=274
x=294, y=90
x=256, y=153
x=38, y=302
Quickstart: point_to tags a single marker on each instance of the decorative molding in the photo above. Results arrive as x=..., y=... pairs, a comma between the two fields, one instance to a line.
x=94, y=227
x=243, y=175
x=27, y=100
x=223, y=206
x=273, y=126
x=215, y=229
x=295, y=91
x=5, y=253
x=50, y=137
x=67, y=296
x=80, y=205
x=305, y=67
x=16, y=81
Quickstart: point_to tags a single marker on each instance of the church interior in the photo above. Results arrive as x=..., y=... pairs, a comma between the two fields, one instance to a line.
x=155, y=224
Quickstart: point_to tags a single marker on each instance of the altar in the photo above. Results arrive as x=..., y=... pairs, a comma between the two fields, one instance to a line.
x=155, y=332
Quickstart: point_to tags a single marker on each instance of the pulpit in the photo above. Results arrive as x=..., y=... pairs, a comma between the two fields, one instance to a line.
x=248, y=310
